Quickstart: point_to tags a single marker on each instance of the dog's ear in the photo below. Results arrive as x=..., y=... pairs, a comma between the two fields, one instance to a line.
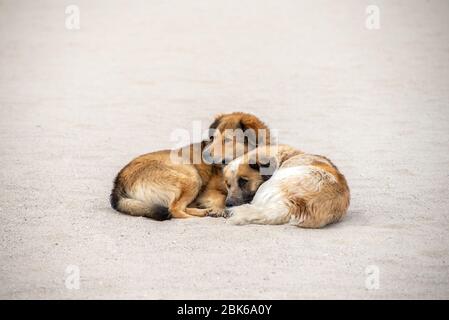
x=213, y=127
x=249, y=121
x=250, y=130
x=267, y=169
x=242, y=126
x=259, y=128
x=216, y=122
x=263, y=167
x=254, y=166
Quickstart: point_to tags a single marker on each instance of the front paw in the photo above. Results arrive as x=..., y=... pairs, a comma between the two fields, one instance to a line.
x=237, y=220
x=236, y=216
x=216, y=213
x=227, y=213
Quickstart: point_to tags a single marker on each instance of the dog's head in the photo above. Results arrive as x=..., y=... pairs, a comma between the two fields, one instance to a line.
x=243, y=177
x=231, y=135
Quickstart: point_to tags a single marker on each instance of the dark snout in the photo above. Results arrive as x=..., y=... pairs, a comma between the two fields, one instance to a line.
x=232, y=202
x=246, y=197
x=229, y=203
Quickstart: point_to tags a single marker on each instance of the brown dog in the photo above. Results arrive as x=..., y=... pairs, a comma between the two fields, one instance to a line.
x=234, y=134
x=155, y=186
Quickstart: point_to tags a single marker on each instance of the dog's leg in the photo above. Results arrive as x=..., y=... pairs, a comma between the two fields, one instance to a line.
x=178, y=213
x=248, y=214
x=213, y=201
x=197, y=212
x=213, y=197
x=179, y=209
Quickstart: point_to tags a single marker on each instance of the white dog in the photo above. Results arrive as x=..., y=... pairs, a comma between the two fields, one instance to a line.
x=279, y=185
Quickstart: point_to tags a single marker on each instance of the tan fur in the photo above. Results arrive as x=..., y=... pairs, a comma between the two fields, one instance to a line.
x=313, y=196
x=154, y=186
x=225, y=146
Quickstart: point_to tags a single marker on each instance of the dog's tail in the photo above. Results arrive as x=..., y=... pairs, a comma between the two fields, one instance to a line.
x=122, y=203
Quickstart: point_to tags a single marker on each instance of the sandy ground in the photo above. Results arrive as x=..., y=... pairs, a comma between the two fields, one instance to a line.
x=77, y=105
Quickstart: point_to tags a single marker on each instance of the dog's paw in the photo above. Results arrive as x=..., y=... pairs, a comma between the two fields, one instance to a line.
x=227, y=213
x=216, y=212
x=237, y=220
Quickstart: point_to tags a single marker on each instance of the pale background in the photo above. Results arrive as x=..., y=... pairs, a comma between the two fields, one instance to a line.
x=75, y=106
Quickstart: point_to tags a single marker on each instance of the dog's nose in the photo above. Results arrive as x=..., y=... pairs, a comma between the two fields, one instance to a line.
x=223, y=162
x=229, y=203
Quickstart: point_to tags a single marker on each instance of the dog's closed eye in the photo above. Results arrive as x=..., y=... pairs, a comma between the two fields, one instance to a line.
x=242, y=182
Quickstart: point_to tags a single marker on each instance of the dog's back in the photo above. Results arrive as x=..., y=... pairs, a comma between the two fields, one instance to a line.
x=305, y=190
x=316, y=191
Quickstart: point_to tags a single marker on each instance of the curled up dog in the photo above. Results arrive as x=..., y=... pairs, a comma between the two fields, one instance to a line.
x=180, y=183
x=280, y=185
